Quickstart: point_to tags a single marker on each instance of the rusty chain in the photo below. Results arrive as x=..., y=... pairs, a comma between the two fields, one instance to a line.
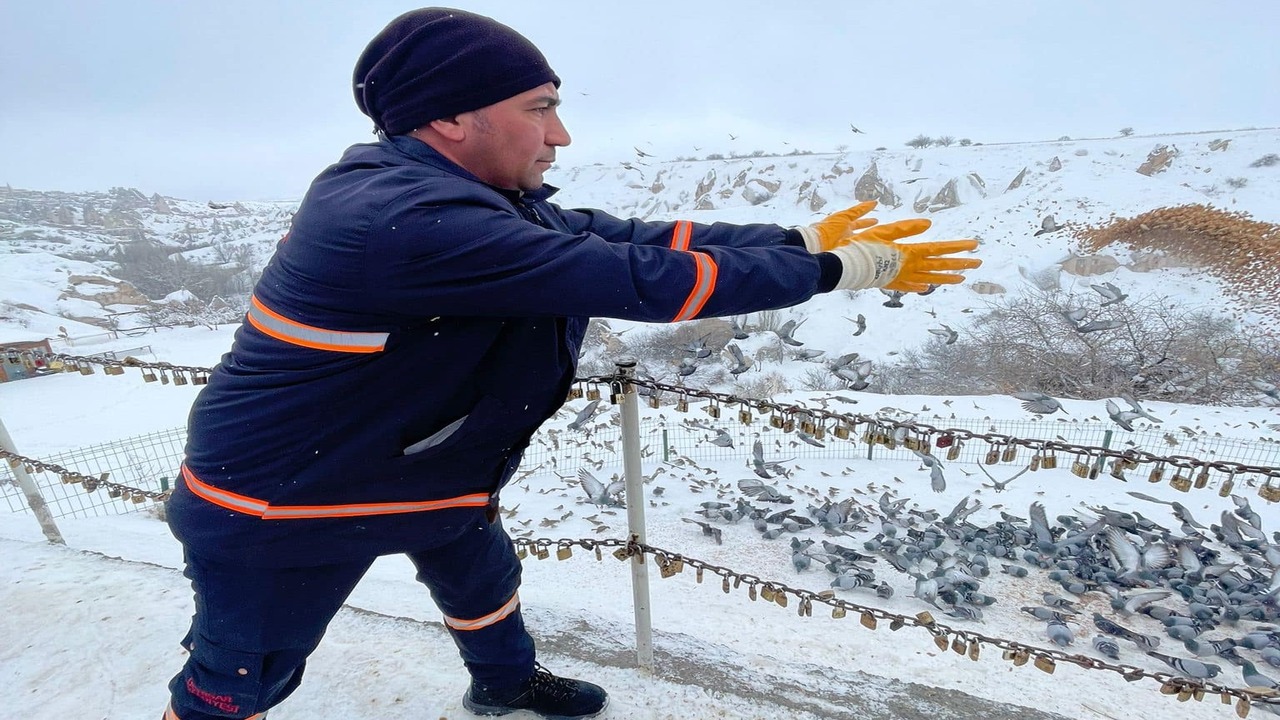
x=924, y=437
x=961, y=641
x=914, y=434
x=89, y=483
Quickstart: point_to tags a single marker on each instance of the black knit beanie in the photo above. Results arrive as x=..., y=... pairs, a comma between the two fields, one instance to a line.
x=437, y=62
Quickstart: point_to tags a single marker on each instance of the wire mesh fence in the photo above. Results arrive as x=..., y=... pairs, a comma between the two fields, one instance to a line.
x=148, y=462
x=151, y=461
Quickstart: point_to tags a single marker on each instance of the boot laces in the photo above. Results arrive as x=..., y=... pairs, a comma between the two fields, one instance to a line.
x=544, y=683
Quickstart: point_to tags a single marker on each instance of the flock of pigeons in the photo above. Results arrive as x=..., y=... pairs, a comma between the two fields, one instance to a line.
x=1212, y=590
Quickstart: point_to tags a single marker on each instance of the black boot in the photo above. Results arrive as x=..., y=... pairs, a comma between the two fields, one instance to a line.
x=554, y=698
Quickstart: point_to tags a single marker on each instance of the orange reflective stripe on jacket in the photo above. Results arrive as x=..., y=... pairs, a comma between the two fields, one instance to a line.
x=681, y=235
x=282, y=328
x=485, y=621
x=267, y=511
x=704, y=283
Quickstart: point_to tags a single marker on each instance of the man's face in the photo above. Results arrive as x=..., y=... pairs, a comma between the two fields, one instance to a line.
x=510, y=144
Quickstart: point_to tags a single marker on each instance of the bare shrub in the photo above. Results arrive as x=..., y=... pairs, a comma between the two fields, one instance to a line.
x=945, y=141
x=1126, y=131
x=965, y=142
x=920, y=141
x=766, y=385
x=1159, y=352
x=1236, y=182
x=820, y=378
x=1268, y=160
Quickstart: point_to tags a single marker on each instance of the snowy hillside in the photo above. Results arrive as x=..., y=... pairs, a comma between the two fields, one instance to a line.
x=57, y=246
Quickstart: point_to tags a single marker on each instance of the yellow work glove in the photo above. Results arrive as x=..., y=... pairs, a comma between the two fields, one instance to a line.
x=850, y=225
x=909, y=267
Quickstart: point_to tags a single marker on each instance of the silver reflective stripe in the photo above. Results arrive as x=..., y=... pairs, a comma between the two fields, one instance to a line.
x=282, y=328
x=498, y=615
x=436, y=438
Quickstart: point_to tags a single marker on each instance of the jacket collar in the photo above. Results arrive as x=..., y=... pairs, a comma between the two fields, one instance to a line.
x=422, y=152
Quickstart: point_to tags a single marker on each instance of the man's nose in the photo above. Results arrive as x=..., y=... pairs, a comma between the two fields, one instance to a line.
x=557, y=135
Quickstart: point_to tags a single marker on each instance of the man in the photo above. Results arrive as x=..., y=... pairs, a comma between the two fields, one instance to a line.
x=418, y=323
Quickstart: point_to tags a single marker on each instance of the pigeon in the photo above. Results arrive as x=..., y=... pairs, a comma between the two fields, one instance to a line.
x=895, y=298
x=741, y=363
x=860, y=322
x=1123, y=418
x=739, y=333
x=786, y=332
x=1076, y=316
x=856, y=130
x=584, y=416
x=937, y=482
x=687, y=367
x=598, y=493
x=948, y=335
x=1136, y=408
x=760, y=491
x=708, y=529
x=1059, y=634
x=1047, y=225
x=1111, y=293
x=1039, y=403
x=1097, y=325
x=1106, y=646
x=1188, y=667
x=1266, y=388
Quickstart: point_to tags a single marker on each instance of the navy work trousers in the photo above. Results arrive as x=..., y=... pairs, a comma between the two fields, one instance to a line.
x=254, y=627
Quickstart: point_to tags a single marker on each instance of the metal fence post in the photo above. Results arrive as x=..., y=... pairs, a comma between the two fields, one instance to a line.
x=630, y=411
x=29, y=489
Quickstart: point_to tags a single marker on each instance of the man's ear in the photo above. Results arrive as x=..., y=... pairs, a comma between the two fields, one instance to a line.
x=449, y=128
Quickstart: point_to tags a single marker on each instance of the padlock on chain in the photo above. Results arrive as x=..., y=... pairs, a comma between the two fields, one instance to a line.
x=1080, y=468
x=953, y=451
x=744, y=416
x=993, y=456
x=1049, y=462
x=1010, y=453
x=682, y=404
x=1180, y=482
x=713, y=409
x=1157, y=474
x=1227, y=485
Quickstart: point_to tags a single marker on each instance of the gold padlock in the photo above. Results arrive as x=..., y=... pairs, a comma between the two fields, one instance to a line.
x=1010, y=453
x=911, y=443
x=575, y=393
x=179, y=378
x=1202, y=480
x=713, y=410
x=148, y=375
x=1269, y=492
x=744, y=416
x=1079, y=468
x=86, y=369
x=113, y=370
x=164, y=378
x=1049, y=462
x=807, y=426
x=775, y=420
x=788, y=425
x=655, y=402
x=1180, y=482
x=1227, y=486
x=993, y=457
x=819, y=431
x=593, y=393
x=682, y=405
x=199, y=379
x=841, y=431
x=953, y=452
x=1034, y=465
x=1157, y=474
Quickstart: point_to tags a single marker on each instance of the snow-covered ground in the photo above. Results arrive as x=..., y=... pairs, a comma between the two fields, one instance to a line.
x=91, y=631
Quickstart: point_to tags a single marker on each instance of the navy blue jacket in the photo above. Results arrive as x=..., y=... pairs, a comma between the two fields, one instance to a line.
x=410, y=334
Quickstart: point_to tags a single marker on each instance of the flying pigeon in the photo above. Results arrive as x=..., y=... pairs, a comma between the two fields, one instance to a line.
x=1111, y=293
x=1047, y=225
x=895, y=298
x=860, y=322
x=598, y=493
x=584, y=416
x=785, y=333
x=1039, y=403
x=1096, y=325
x=741, y=363
x=948, y=335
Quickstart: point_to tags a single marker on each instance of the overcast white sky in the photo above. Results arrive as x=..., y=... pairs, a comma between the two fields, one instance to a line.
x=250, y=99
